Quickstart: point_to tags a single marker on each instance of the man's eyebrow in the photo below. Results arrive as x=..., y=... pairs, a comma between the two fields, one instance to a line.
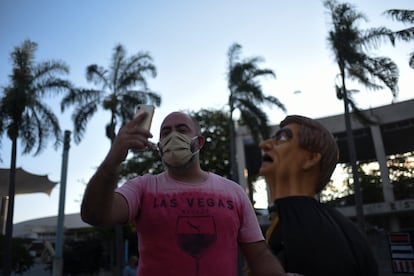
x=176, y=126
x=165, y=127
x=182, y=125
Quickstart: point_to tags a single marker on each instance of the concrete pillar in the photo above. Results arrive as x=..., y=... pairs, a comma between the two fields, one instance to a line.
x=387, y=188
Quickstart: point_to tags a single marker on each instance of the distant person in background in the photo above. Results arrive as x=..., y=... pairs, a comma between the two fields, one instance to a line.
x=307, y=236
x=131, y=269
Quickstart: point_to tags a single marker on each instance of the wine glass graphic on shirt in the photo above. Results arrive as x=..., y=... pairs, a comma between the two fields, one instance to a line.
x=195, y=235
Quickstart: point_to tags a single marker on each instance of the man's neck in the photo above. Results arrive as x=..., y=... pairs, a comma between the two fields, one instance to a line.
x=191, y=174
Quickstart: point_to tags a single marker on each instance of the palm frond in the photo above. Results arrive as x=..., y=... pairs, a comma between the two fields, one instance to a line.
x=271, y=100
x=47, y=68
x=405, y=35
x=49, y=124
x=51, y=86
x=27, y=132
x=411, y=61
x=255, y=119
x=387, y=72
x=81, y=115
x=362, y=74
x=97, y=75
x=233, y=54
x=80, y=96
x=404, y=16
x=117, y=64
x=373, y=37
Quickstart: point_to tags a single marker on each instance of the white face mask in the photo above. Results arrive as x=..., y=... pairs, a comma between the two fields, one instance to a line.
x=175, y=149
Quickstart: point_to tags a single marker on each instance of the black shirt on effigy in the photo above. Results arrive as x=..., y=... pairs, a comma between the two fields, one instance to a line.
x=311, y=238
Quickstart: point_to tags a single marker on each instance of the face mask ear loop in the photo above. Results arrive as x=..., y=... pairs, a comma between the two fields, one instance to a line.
x=193, y=145
x=159, y=149
x=196, y=152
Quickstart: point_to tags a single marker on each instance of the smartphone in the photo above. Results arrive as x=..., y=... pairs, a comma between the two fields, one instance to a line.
x=145, y=108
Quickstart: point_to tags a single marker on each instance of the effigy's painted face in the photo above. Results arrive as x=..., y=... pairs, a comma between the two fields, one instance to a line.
x=282, y=155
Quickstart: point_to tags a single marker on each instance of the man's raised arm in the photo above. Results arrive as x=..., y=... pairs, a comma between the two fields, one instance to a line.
x=100, y=204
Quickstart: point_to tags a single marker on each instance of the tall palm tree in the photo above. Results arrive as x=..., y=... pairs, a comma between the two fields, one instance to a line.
x=24, y=115
x=246, y=95
x=349, y=45
x=407, y=34
x=118, y=94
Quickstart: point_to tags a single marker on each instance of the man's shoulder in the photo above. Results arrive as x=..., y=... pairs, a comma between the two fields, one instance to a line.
x=221, y=178
x=146, y=179
x=222, y=182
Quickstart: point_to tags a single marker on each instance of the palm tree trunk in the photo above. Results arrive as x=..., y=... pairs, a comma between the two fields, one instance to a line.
x=352, y=159
x=8, y=249
x=233, y=159
x=119, y=235
x=234, y=169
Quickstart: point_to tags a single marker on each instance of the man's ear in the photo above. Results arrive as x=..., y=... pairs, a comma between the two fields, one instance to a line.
x=313, y=159
x=201, y=141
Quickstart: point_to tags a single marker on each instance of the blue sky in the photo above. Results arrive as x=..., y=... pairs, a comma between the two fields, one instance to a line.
x=188, y=41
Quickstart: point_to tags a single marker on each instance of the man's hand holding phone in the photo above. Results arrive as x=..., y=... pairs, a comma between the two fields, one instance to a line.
x=133, y=135
x=147, y=120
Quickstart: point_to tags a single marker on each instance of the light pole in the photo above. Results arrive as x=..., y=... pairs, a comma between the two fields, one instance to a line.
x=58, y=258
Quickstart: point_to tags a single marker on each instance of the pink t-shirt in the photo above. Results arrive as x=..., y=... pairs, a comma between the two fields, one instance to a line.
x=189, y=229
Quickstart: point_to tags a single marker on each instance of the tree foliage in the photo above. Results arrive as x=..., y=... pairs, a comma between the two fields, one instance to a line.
x=83, y=256
x=401, y=173
x=24, y=113
x=215, y=155
x=406, y=34
x=246, y=92
x=122, y=87
x=350, y=46
x=142, y=162
x=22, y=261
x=401, y=168
x=25, y=116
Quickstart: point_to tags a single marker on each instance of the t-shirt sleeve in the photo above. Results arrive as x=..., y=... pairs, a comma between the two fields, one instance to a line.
x=132, y=191
x=249, y=228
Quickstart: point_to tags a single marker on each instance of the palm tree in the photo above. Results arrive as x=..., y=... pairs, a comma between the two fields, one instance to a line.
x=118, y=95
x=349, y=45
x=24, y=115
x=404, y=16
x=246, y=95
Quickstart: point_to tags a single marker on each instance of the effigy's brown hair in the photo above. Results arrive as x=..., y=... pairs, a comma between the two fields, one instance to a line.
x=314, y=137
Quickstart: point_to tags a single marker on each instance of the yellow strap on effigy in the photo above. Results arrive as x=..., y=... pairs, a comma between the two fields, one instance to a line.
x=275, y=220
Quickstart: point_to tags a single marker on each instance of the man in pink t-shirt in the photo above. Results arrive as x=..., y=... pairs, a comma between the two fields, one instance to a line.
x=188, y=221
